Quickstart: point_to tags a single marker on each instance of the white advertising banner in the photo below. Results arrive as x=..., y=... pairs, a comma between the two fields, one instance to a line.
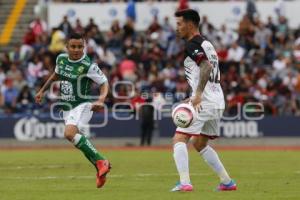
x=218, y=13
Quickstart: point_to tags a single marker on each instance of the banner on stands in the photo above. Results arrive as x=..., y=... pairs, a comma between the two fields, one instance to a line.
x=29, y=128
x=223, y=12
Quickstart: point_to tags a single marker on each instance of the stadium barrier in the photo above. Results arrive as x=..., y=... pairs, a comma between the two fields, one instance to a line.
x=32, y=127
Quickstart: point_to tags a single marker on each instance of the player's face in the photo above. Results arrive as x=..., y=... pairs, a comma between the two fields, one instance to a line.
x=181, y=28
x=75, y=48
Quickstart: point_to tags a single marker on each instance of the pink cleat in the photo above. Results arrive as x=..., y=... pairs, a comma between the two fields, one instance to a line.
x=182, y=188
x=228, y=187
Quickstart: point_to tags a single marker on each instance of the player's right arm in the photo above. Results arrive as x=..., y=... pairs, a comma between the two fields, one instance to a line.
x=54, y=77
x=198, y=54
x=39, y=96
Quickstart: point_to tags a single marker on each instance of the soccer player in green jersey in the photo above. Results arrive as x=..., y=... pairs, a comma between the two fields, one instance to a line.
x=76, y=72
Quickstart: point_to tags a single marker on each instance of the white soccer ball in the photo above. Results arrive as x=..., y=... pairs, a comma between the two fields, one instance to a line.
x=183, y=115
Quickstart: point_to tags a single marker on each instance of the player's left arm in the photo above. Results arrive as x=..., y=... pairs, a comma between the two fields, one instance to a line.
x=99, y=77
x=103, y=92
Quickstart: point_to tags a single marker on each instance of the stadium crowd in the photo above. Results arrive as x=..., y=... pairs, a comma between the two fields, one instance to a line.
x=259, y=62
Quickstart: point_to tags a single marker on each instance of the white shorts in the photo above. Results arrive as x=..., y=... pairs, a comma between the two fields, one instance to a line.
x=206, y=124
x=79, y=116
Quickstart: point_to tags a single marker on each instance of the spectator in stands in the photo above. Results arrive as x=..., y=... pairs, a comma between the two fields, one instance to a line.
x=97, y=35
x=168, y=75
x=262, y=35
x=204, y=26
x=5, y=62
x=166, y=26
x=29, y=37
x=38, y=27
x=227, y=36
x=127, y=69
x=90, y=25
x=251, y=9
x=183, y=4
x=16, y=55
x=10, y=94
x=2, y=76
x=65, y=26
x=14, y=74
x=235, y=54
x=154, y=25
x=24, y=102
x=128, y=29
x=174, y=48
x=245, y=30
x=296, y=53
x=78, y=27
x=57, y=43
x=34, y=70
x=1, y=99
x=106, y=56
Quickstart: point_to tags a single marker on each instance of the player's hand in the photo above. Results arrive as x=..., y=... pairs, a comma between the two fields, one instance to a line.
x=39, y=97
x=186, y=100
x=97, y=105
x=196, y=101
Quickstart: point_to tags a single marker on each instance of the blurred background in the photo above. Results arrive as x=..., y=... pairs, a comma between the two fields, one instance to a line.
x=134, y=44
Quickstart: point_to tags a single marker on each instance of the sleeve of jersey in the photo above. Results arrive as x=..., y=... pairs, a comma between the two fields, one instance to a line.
x=56, y=69
x=196, y=52
x=56, y=65
x=96, y=74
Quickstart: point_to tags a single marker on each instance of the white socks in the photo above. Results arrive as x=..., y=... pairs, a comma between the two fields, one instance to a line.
x=181, y=158
x=212, y=159
x=76, y=139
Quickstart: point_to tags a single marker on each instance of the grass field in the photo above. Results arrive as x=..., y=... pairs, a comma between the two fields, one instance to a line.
x=145, y=174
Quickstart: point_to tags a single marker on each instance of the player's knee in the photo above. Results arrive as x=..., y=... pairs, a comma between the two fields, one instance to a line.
x=199, y=145
x=180, y=138
x=69, y=135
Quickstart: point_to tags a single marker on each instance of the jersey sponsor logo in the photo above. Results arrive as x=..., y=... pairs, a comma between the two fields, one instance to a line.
x=69, y=75
x=69, y=68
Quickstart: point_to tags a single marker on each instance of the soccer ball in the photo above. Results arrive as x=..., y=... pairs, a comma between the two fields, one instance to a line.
x=183, y=115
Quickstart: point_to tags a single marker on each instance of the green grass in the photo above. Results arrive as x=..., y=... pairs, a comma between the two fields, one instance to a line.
x=142, y=175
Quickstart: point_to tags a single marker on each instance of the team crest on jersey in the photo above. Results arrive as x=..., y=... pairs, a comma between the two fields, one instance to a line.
x=80, y=69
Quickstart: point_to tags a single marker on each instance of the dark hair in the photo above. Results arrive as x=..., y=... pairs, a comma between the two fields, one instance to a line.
x=75, y=36
x=189, y=15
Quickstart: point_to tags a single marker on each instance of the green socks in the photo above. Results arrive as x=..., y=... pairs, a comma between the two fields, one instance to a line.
x=87, y=148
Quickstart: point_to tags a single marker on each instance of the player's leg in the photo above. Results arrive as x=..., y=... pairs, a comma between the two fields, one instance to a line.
x=102, y=164
x=210, y=155
x=149, y=134
x=211, y=158
x=181, y=159
x=82, y=143
x=76, y=122
x=143, y=134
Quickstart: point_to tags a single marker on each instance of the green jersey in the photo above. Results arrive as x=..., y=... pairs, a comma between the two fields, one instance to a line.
x=75, y=79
